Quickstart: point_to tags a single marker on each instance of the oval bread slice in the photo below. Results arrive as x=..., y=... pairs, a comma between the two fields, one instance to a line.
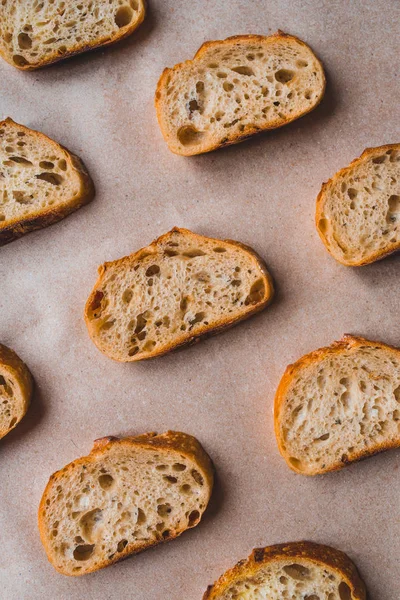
x=235, y=88
x=180, y=288
x=127, y=495
x=15, y=390
x=40, y=181
x=358, y=210
x=298, y=570
x=34, y=34
x=338, y=404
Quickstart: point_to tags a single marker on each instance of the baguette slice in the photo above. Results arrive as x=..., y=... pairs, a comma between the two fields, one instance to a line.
x=15, y=390
x=40, y=181
x=358, y=210
x=298, y=570
x=235, y=88
x=34, y=33
x=127, y=495
x=180, y=288
x=339, y=404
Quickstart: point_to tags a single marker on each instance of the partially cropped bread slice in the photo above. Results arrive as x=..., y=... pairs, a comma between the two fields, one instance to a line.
x=15, y=390
x=297, y=570
x=235, y=88
x=358, y=210
x=36, y=33
x=41, y=182
x=339, y=404
x=128, y=494
x=172, y=292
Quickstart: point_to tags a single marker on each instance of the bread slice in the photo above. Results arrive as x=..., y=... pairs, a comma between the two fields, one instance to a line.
x=127, y=495
x=298, y=570
x=180, y=288
x=235, y=88
x=358, y=210
x=40, y=181
x=15, y=390
x=36, y=33
x=338, y=405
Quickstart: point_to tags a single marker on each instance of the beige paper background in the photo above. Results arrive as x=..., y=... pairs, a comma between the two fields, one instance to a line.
x=261, y=192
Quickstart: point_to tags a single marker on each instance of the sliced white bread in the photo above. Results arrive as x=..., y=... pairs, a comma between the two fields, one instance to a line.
x=180, y=288
x=41, y=182
x=36, y=33
x=338, y=404
x=295, y=571
x=15, y=390
x=358, y=210
x=235, y=88
x=127, y=495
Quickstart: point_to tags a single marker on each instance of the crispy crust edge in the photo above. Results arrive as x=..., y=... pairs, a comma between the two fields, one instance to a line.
x=348, y=341
x=43, y=218
x=20, y=373
x=328, y=185
x=171, y=441
x=316, y=553
x=123, y=33
x=250, y=132
x=206, y=331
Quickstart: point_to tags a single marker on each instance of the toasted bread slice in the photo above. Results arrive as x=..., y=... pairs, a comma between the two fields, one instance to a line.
x=34, y=34
x=338, y=405
x=298, y=570
x=127, y=495
x=181, y=287
x=40, y=181
x=358, y=210
x=15, y=390
x=235, y=88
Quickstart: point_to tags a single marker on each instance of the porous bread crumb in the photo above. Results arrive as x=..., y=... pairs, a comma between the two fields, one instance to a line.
x=181, y=286
x=15, y=390
x=34, y=33
x=237, y=87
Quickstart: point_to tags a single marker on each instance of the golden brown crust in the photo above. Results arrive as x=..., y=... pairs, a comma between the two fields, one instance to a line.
x=379, y=254
x=171, y=441
x=203, y=332
x=19, y=372
x=348, y=341
x=249, y=131
x=45, y=217
x=79, y=48
x=317, y=554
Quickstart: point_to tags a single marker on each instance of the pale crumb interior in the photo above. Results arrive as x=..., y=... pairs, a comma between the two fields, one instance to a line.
x=32, y=31
x=125, y=499
x=343, y=405
x=35, y=175
x=288, y=580
x=10, y=403
x=237, y=87
x=361, y=209
x=172, y=291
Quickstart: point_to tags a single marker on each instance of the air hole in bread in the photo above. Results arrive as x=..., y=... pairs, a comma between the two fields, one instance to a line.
x=152, y=270
x=46, y=164
x=164, y=509
x=197, y=477
x=344, y=591
x=193, y=518
x=13, y=422
x=243, y=70
x=379, y=159
x=22, y=197
x=170, y=478
x=394, y=203
x=121, y=545
x=189, y=135
x=127, y=295
x=284, y=75
x=134, y=350
x=123, y=16
x=185, y=489
x=198, y=317
x=323, y=225
x=106, y=481
x=257, y=292
x=297, y=572
x=171, y=253
x=53, y=178
x=21, y=161
x=83, y=551
x=20, y=61
x=228, y=87
x=296, y=462
x=193, y=253
x=62, y=164
x=312, y=597
x=24, y=41
x=199, y=87
x=302, y=64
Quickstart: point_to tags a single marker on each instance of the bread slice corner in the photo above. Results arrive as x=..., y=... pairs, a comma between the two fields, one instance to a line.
x=293, y=570
x=178, y=289
x=41, y=33
x=41, y=182
x=338, y=404
x=127, y=495
x=358, y=210
x=16, y=386
x=237, y=87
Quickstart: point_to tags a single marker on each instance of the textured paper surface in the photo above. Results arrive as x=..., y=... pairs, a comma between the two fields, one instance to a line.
x=261, y=192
